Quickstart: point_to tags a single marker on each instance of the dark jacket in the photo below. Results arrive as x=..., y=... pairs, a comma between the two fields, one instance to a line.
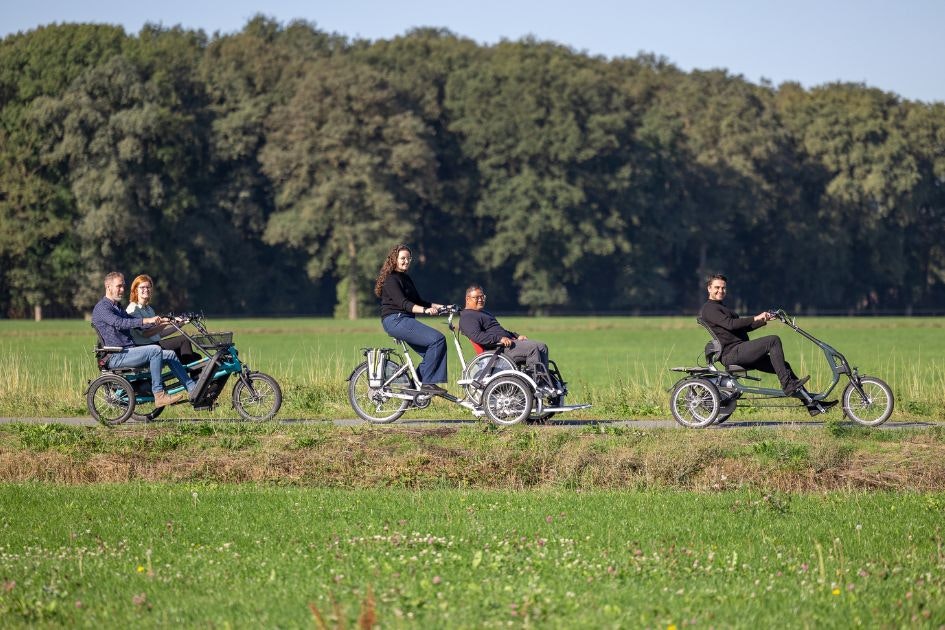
x=727, y=325
x=483, y=328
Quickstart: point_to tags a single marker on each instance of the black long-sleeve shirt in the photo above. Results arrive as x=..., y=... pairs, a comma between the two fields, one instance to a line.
x=483, y=328
x=726, y=324
x=399, y=295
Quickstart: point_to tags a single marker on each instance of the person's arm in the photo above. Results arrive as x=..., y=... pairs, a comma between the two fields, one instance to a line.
x=398, y=295
x=477, y=326
x=135, y=310
x=717, y=315
x=107, y=317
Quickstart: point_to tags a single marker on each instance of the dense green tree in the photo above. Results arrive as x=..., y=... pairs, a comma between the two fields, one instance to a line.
x=350, y=168
x=269, y=171
x=39, y=252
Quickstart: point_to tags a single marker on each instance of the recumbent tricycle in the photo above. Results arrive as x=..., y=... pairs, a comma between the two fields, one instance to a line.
x=710, y=394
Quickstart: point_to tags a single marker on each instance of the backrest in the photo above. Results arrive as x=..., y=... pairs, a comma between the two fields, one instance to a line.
x=479, y=349
x=713, y=349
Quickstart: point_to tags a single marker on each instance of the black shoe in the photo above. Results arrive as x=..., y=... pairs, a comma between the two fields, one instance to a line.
x=795, y=385
x=433, y=389
x=822, y=406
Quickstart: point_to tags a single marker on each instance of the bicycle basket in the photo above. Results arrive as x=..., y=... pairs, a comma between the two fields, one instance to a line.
x=214, y=340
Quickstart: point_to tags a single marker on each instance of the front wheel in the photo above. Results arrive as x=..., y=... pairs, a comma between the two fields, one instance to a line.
x=695, y=403
x=875, y=408
x=110, y=399
x=507, y=400
x=260, y=400
x=376, y=404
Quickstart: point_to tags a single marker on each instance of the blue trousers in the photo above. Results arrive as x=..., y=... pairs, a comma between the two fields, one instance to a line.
x=428, y=343
x=154, y=357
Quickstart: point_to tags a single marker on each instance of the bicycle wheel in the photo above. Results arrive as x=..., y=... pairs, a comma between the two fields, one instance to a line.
x=475, y=371
x=375, y=404
x=873, y=410
x=694, y=403
x=110, y=399
x=259, y=401
x=507, y=400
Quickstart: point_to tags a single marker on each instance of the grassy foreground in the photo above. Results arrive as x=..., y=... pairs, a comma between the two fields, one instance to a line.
x=620, y=364
x=209, y=555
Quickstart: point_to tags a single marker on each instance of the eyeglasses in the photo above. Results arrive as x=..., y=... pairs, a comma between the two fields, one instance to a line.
x=481, y=297
x=144, y=287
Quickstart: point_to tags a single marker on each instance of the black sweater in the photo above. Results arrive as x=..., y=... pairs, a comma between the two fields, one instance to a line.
x=483, y=328
x=399, y=295
x=726, y=324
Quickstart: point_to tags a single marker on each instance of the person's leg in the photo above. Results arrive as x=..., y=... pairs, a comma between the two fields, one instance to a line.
x=181, y=347
x=528, y=351
x=139, y=356
x=765, y=354
x=170, y=359
x=428, y=343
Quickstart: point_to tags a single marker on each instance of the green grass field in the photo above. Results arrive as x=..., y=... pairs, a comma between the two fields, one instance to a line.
x=204, y=555
x=619, y=364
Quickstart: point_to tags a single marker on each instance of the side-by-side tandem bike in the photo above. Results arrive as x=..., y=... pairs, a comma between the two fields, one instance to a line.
x=118, y=394
x=710, y=393
x=386, y=385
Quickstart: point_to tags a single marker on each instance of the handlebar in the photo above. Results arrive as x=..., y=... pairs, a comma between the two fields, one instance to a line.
x=448, y=309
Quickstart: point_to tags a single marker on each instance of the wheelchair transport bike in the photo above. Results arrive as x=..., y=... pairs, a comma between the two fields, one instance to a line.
x=710, y=394
x=123, y=393
x=386, y=385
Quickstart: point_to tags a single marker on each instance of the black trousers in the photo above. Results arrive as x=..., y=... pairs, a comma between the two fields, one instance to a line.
x=764, y=354
x=181, y=347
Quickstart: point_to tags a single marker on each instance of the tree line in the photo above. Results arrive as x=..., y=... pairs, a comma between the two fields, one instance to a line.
x=269, y=171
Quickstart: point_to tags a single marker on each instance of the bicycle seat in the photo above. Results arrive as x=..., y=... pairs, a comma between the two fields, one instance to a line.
x=713, y=350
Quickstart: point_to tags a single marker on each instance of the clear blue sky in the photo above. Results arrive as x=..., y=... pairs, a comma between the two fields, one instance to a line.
x=895, y=45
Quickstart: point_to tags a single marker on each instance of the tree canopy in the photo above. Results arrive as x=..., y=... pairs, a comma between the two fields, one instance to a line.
x=269, y=171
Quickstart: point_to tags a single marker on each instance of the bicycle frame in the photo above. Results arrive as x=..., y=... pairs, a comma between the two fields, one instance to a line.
x=838, y=364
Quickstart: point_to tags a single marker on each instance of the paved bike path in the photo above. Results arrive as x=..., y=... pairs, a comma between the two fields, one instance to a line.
x=87, y=421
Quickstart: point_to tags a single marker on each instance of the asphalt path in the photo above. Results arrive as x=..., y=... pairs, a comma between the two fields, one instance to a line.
x=567, y=424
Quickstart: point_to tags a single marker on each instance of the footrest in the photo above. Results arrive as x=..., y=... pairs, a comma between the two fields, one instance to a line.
x=565, y=408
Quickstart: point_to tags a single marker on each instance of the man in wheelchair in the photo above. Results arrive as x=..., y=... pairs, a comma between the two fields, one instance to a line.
x=484, y=329
x=764, y=353
x=114, y=327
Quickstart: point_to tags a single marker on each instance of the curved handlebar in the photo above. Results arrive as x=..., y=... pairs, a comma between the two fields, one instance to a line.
x=448, y=309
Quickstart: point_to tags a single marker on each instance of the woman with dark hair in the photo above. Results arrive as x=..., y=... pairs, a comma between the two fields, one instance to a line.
x=139, y=305
x=400, y=304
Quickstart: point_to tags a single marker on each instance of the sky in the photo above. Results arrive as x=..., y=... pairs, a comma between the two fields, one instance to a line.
x=894, y=45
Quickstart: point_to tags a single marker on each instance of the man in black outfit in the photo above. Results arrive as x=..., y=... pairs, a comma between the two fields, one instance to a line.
x=482, y=327
x=764, y=353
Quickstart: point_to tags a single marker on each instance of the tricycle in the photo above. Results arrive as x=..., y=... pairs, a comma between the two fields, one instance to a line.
x=119, y=394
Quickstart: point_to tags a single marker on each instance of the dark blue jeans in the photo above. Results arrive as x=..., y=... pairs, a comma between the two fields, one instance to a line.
x=428, y=343
x=154, y=357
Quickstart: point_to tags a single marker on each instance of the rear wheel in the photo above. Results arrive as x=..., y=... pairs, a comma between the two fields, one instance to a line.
x=507, y=400
x=375, y=404
x=110, y=399
x=872, y=410
x=476, y=371
x=694, y=403
x=260, y=400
